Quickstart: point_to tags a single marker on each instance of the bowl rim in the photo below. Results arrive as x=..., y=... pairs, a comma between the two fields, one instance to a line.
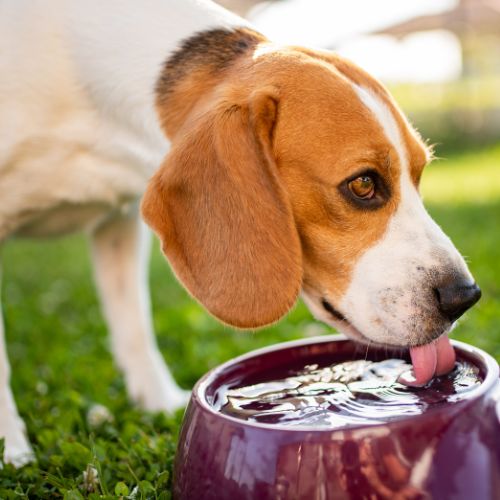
x=200, y=388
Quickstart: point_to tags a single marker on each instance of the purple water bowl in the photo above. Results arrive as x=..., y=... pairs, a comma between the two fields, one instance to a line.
x=450, y=451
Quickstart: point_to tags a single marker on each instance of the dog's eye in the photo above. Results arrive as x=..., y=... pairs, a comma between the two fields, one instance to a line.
x=366, y=190
x=363, y=187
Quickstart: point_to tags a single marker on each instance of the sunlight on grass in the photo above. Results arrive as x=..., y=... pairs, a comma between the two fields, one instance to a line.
x=469, y=178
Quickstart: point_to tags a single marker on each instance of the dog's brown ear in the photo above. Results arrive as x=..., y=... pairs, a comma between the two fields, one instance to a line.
x=224, y=218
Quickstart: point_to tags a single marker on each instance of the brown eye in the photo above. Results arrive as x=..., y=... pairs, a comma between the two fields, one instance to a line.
x=363, y=187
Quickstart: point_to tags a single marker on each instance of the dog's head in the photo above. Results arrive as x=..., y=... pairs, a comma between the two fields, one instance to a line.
x=298, y=172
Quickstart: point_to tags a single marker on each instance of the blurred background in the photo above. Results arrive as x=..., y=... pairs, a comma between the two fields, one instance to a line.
x=441, y=60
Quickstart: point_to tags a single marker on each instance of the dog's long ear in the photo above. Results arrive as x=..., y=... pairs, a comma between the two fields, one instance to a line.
x=224, y=218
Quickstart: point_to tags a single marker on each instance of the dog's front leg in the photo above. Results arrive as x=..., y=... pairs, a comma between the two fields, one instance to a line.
x=17, y=449
x=120, y=250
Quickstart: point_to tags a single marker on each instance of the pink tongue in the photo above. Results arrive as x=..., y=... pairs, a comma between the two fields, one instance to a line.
x=445, y=355
x=436, y=358
x=424, y=360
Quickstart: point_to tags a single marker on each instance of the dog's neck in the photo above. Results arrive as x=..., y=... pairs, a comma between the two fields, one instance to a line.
x=122, y=50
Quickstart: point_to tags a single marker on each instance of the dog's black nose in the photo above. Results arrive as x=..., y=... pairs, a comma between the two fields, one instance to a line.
x=456, y=298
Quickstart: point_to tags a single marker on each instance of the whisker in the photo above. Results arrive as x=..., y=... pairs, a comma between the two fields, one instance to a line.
x=367, y=347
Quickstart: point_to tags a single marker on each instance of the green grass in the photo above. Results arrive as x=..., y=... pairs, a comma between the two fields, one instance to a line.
x=62, y=365
x=467, y=93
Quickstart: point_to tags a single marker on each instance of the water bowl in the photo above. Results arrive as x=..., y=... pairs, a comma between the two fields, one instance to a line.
x=324, y=418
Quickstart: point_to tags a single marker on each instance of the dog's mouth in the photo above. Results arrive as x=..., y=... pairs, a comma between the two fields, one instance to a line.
x=343, y=324
x=429, y=360
x=329, y=308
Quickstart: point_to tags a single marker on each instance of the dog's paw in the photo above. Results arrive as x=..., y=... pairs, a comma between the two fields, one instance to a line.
x=152, y=387
x=161, y=397
x=17, y=450
x=169, y=402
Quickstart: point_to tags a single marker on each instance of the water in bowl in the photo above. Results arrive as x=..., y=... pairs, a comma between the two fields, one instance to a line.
x=342, y=395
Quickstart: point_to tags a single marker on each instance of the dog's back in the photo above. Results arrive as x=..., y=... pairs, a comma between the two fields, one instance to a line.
x=79, y=131
x=46, y=123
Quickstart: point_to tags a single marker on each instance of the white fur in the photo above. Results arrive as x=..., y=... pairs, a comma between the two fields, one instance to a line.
x=384, y=117
x=390, y=296
x=80, y=138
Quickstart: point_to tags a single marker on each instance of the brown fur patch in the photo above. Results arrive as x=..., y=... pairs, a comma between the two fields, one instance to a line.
x=224, y=218
x=418, y=153
x=201, y=59
x=216, y=48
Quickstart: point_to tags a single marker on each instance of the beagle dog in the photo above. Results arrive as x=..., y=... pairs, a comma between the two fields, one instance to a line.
x=275, y=171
